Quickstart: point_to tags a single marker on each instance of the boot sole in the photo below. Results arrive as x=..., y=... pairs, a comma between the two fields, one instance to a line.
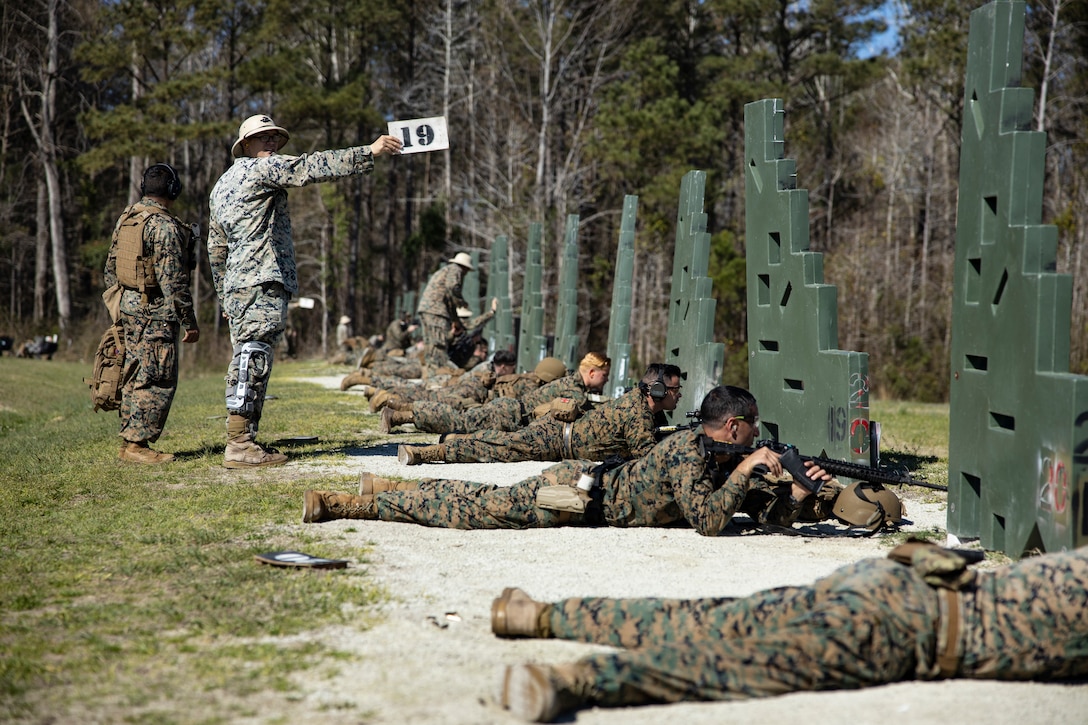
x=243, y=464
x=527, y=693
x=310, y=504
x=404, y=456
x=498, y=613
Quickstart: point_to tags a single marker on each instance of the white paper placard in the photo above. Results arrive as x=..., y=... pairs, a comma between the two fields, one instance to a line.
x=421, y=134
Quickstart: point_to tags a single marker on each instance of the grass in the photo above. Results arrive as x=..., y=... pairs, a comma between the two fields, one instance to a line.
x=123, y=582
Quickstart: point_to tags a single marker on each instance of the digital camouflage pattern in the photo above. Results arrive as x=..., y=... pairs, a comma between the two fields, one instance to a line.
x=503, y=414
x=437, y=310
x=670, y=484
x=152, y=326
x=511, y=410
x=250, y=249
x=442, y=295
x=397, y=336
x=464, y=389
x=570, y=386
x=622, y=427
x=869, y=623
x=249, y=234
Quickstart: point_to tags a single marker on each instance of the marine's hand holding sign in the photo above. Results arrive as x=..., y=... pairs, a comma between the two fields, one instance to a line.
x=386, y=145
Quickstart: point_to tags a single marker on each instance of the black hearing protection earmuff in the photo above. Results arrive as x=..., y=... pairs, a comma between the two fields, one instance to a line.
x=657, y=389
x=173, y=187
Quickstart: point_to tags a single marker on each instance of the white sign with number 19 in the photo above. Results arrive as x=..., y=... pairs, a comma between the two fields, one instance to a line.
x=421, y=134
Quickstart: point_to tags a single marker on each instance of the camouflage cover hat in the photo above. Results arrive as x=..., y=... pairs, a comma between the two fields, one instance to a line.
x=254, y=125
x=869, y=505
x=462, y=259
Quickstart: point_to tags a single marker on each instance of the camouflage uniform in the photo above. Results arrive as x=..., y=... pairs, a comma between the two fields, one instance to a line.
x=250, y=249
x=670, y=484
x=511, y=410
x=622, y=427
x=437, y=310
x=869, y=623
x=397, y=336
x=395, y=371
x=152, y=326
x=466, y=389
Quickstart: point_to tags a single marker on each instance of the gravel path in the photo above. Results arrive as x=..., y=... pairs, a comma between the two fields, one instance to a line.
x=431, y=658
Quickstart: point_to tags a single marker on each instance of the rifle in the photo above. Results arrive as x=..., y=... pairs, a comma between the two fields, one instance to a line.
x=664, y=430
x=794, y=462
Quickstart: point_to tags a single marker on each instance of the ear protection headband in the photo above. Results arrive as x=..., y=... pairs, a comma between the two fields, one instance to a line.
x=173, y=187
x=657, y=389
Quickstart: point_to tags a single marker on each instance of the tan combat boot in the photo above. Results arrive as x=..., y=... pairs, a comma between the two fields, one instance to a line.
x=368, y=357
x=244, y=452
x=369, y=484
x=141, y=453
x=415, y=455
x=325, y=506
x=391, y=418
x=354, y=378
x=399, y=403
x=379, y=399
x=541, y=693
x=515, y=614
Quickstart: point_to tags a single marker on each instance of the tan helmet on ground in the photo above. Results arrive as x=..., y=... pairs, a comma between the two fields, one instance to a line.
x=868, y=505
x=550, y=368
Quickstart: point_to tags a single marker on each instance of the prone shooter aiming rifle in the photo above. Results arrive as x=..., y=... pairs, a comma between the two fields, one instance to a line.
x=794, y=462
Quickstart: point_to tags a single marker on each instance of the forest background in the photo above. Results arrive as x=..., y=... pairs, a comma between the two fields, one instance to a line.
x=554, y=107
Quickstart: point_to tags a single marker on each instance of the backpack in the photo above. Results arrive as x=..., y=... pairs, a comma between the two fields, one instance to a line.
x=109, y=363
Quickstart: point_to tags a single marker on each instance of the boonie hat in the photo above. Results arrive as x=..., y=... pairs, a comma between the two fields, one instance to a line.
x=345, y=320
x=462, y=259
x=464, y=312
x=255, y=125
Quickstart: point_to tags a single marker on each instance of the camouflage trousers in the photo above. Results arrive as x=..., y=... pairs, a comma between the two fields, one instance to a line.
x=501, y=414
x=435, y=331
x=869, y=623
x=255, y=314
x=150, y=377
x=541, y=441
x=454, y=504
x=395, y=371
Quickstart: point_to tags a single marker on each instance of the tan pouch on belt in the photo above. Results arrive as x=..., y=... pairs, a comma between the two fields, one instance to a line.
x=560, y=498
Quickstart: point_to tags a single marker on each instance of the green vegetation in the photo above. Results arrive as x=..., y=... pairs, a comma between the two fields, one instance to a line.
x=121, y=582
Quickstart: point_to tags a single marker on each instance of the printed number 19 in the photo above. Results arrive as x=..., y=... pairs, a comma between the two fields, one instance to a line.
x=424, y=133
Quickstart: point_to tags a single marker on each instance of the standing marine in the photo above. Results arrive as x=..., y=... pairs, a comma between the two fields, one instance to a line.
x=438, y=311
x=252, y=258
x=150, y=259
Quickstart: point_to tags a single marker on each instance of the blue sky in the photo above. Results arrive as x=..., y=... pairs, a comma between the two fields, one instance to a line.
x=888, y=39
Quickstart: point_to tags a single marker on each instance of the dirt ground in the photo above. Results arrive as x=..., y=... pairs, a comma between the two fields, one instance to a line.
x=431, y=658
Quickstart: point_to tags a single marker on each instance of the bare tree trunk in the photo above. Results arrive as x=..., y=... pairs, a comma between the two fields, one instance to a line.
x=41, y=255
x=1048, y=57
x=447, y=178
x=135, y=173
x=42, y=130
